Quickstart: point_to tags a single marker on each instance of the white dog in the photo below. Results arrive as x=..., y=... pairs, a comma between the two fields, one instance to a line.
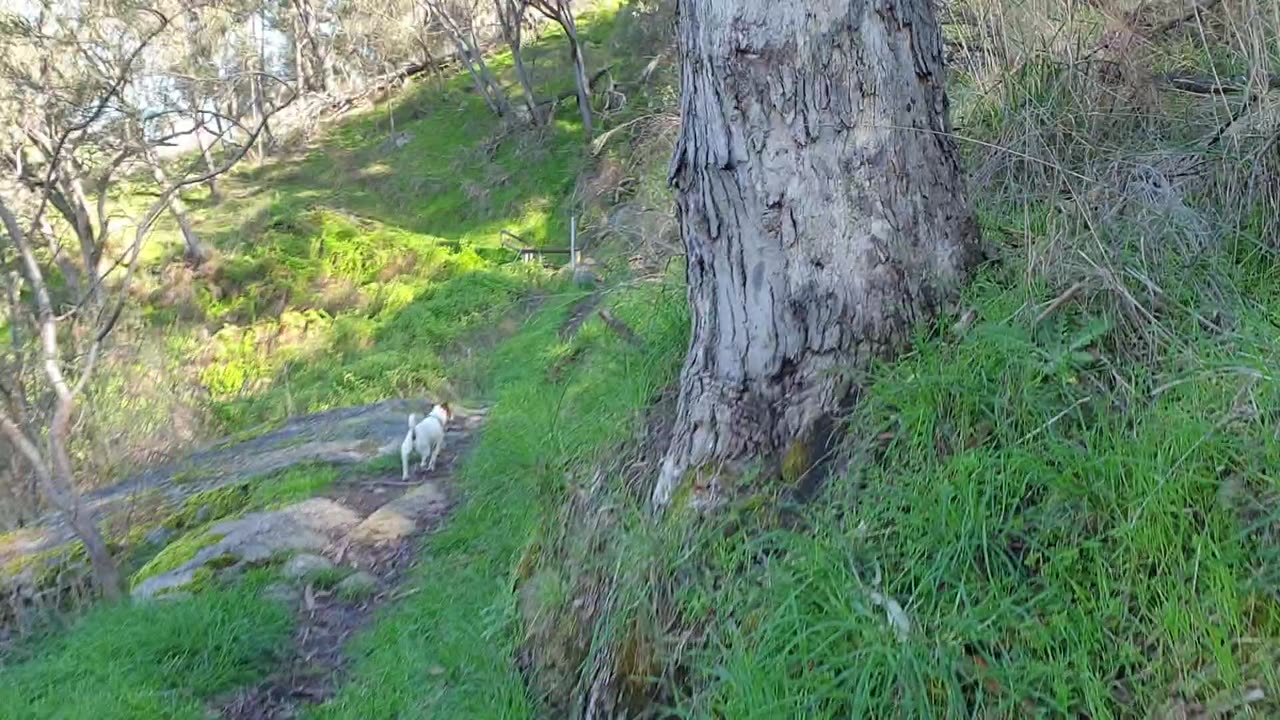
x=427, y=437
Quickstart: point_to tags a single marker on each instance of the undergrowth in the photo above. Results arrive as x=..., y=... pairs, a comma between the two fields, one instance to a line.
x=1062, y=506
x=447, y=649
x=149, y=660
x=1058, y=548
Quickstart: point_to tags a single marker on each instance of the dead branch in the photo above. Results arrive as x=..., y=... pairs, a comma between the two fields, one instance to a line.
x=570, y=93
x=1207, y=85
x=620, y=328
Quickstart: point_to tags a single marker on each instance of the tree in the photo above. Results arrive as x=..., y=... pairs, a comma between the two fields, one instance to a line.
x=89, y=65
x=457, y=18
x=823, y=211
x=313, y=51
x=561, y=12
x=511, y=19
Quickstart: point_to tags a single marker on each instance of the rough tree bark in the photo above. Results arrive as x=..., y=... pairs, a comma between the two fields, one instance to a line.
x=823, y=210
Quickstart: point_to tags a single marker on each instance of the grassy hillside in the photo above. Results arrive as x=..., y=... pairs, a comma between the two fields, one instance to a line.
x=1061, y=503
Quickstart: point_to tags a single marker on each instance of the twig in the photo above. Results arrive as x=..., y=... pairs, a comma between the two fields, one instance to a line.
x=1191, y=14
x=1059, y=301
x=1204, y=85
x=1054, y=419
x=621, y=328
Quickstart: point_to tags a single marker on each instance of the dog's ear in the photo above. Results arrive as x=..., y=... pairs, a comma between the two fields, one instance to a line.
x=447, y=410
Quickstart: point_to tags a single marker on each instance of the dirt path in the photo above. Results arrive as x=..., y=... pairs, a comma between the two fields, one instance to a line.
x=385, y=548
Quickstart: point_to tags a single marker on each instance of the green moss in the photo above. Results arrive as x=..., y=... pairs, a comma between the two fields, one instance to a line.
x=796, y=461
x=207, y=506
x=292, y=485
x=176, y=554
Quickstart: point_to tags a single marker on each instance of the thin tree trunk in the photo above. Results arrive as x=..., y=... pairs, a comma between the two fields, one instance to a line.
x=319, y=76
x=526, y=86
x=561, y=12
x=299, y=62
x=511, y=19
x=499, y=95
x=206, y=152
x=581, y=81
x=822, y=207
x=479, y=74
x=83, y=520
x=57, y=479
x=258, y=114
x=194, y=251
x=259, y=103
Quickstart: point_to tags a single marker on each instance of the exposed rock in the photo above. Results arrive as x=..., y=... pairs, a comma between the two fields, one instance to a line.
x=304, y=566
x=307, y=527
x=357, y=585
x=283, y=593
x=585, y=277
x=155, y=586
x=158, y=536
x=401, y=517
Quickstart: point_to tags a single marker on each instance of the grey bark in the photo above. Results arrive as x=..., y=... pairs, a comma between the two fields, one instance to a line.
x=310, y=51
x=472, y=56
x=822, y=206
x=561, y=11
x=206, y=152
x=194, y=251
x=580, y=80
x=511, y=19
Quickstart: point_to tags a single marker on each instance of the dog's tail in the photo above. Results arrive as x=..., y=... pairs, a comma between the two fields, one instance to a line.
x=413, y=425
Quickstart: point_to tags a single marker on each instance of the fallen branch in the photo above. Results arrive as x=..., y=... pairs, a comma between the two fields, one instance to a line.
x=621, y=328
x=573, y=93
x=1192, y=13
x=1205, y=85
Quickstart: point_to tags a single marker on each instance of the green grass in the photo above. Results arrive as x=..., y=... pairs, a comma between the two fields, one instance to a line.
x=351, y=272
x=447, y=650
x=158, y=660
x=348, y=274
x=1073, y=527
x=1064, y=543
x=1085, y=555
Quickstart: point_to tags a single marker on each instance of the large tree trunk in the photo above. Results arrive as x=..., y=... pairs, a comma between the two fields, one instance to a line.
x=821, y=203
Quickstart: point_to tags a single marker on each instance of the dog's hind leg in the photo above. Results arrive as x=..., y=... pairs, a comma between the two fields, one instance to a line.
x=434, y=452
